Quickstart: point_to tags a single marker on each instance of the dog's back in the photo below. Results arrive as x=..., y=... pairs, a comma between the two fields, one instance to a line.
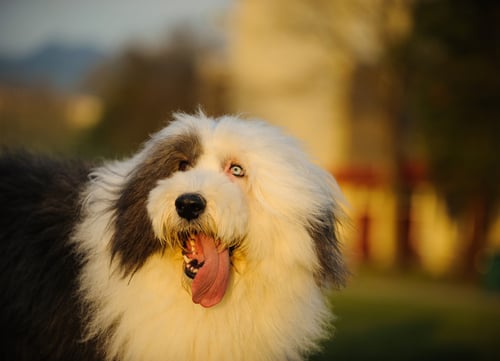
x=38, y=208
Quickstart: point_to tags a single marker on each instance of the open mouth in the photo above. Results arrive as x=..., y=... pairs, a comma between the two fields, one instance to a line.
x=193, y=257
x=207, y=263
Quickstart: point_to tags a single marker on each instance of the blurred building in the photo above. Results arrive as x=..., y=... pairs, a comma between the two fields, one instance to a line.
x=314, y=69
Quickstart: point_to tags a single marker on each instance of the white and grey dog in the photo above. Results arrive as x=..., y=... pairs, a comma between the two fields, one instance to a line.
x=217, y=241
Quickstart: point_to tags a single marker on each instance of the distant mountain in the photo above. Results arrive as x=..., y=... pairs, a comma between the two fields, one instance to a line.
x=60, y=66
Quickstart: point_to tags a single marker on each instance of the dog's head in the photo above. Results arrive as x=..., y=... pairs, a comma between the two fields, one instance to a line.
x=226, y=191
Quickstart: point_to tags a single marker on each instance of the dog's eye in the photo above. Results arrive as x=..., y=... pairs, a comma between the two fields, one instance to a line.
x=237, y=170
x=183, y=165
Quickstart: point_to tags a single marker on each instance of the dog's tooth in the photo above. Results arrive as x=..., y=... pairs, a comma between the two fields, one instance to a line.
x=186, y=259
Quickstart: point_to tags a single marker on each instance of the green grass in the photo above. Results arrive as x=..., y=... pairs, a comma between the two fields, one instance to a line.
x=384, y=318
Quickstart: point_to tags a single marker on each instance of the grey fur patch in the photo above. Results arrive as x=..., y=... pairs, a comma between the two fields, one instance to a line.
x=134, y=240
x=323, y=229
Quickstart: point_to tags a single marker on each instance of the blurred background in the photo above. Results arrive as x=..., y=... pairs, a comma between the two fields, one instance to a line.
x=398, y=99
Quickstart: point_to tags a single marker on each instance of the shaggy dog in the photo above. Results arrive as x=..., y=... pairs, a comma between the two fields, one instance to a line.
x=217, y=241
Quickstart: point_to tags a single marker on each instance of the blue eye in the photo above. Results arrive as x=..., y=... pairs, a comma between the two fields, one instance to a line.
x=237, y=170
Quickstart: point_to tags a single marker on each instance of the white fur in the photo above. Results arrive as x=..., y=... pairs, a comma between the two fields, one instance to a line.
x=273, y=308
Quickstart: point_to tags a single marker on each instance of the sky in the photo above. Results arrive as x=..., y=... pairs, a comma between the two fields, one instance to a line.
x=108, y=25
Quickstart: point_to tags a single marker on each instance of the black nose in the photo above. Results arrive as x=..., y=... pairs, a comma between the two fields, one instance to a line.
x=190, y=205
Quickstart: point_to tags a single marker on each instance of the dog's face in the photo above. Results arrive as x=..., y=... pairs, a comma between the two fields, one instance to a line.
x=222, y=192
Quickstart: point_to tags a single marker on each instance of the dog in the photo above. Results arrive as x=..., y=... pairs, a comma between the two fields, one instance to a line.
x=218, y=240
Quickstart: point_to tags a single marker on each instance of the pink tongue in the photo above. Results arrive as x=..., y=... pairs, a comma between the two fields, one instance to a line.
x=210, y=283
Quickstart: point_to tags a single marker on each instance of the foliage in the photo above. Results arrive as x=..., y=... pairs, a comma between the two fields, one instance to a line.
x=35, y=119
x=449, y=64
x=452, y=57
x=141, y=89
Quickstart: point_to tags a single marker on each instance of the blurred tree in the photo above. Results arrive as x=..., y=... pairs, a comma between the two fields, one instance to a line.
x=451, y=66
x=35, y=118
x=141, y=89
